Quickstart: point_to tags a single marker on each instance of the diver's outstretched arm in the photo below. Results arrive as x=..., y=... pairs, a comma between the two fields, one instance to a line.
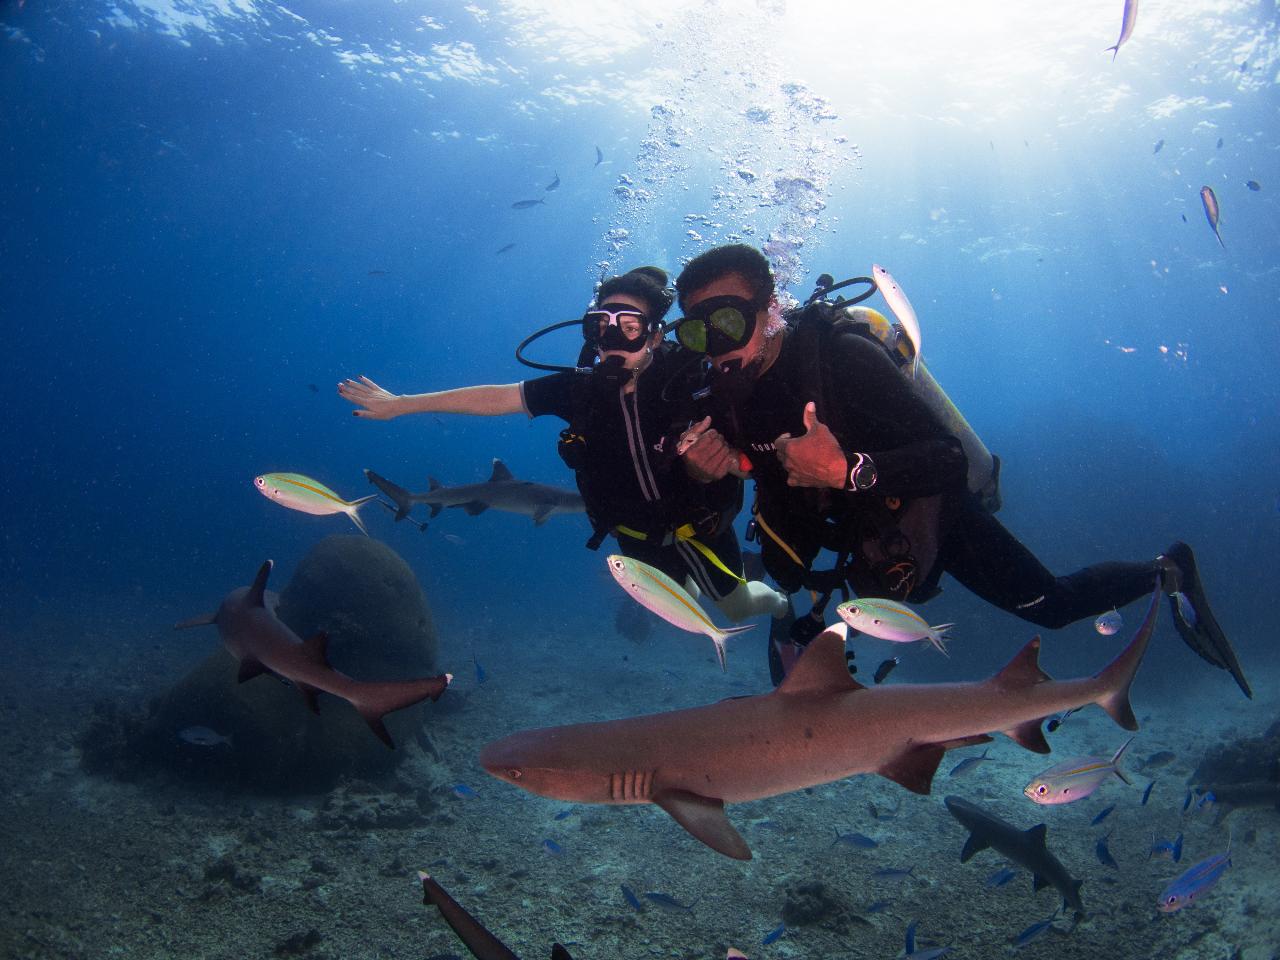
x=376, y=403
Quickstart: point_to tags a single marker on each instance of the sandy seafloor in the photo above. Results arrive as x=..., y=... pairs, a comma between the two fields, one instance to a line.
x=159, y=868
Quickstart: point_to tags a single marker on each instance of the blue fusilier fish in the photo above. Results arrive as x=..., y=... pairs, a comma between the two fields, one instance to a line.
x=481, y=676
x=854, y=840
x=1102, y=815
x=1166, y=849
x=668, y=902
x=1211, y=212
x=968, y=763
x=1035, y=931
x=1109, y=623
x=1146, y=794
x=1001, y=877
x=553, y=184
x=552, y=847
x=1103, y=854
x=893, y=873
x=1198, y=880
x=633, y=901
x=564, y=814
x=773, y=935
x=1126, y=27
x=526, y=204
x=1159, y=143
x=909, y=946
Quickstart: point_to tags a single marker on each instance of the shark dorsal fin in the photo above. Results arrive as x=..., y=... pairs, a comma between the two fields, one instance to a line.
x=433, y=483
x=1024, y=669
x=500, y=472
x=257, y=592
x=1037, y=834
x=822, y=667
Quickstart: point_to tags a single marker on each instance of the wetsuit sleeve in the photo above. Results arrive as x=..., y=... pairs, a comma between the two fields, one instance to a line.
x=880, y=415
x=549, y=396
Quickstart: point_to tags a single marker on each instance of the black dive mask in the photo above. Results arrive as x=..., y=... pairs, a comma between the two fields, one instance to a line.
x=718, y=324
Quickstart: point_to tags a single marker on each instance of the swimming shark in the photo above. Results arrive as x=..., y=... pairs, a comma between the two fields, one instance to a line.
x=1024, y=847
x=502, y=491
x=818, y=726
x=263, y=644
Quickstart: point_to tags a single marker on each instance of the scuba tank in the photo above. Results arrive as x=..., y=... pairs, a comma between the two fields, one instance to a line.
x=984, y=467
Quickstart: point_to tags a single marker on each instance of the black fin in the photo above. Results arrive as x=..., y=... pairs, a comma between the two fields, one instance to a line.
x=257, y=591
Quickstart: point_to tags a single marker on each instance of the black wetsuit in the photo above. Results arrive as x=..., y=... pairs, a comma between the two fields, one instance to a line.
x=634, y=484
x=919, y=519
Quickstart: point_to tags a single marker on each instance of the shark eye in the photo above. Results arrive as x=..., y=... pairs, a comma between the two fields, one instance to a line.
x=514, y=773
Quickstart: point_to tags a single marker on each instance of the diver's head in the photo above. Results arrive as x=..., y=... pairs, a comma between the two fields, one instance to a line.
x=625, y=323
x=731, y=314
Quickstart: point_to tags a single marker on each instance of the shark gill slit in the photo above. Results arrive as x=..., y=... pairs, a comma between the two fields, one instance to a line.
x=630, y=785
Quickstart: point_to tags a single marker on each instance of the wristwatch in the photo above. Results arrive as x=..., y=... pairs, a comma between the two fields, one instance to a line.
x=862, y=473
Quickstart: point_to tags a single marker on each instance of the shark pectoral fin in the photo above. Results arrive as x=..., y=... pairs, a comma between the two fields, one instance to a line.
x=915, y=768
x=541, y=513
x=1038, y=883
x=1029, y=735
x=257, y=592
x=500, y=472
x=822, y=668
x=1023, y=670
x=473, y=507
x=704, y=818
x=201, y=621
x=1037, y=834
x=310, y=696
x=249, y=669
x=974, y=844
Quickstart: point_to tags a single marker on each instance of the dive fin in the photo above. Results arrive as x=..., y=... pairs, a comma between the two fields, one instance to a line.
x=704, y=818
x=257, y=592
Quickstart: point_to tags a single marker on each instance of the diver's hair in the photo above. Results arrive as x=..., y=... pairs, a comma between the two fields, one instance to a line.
x=747, y=262
x=648, y=284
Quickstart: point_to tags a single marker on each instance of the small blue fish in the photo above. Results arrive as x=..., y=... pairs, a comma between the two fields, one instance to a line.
x=1157, y=147
x=552, y=847
x=1033, y=932
x=481, y=676
x=968, y=763
x=1001, y=877
x=1199, y=879
x=909, y=946
x=526, y=204
x=667, y=902
x=1109, y=623
x=462, y=791
x=1104, y=854
x=860, y=840
x=1207, y=802
x=1186, y=612
x=203, y=737
x=1186, y=804
x=1146, y=794
x=633, y=901
x=773, y=935
x=878, y=906
x=893, y=873
x=1165, y=849
x=1102, y=815
x=563, y=814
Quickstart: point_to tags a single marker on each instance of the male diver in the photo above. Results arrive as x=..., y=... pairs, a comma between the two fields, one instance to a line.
x=846, y=456
x=625, y=414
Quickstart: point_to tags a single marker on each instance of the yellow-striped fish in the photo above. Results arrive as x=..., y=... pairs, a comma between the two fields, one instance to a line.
x=1075, y=779
x=657, y=592
x=297, y=492
x=890, y=620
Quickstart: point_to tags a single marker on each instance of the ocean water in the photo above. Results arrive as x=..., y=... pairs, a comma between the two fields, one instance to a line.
x=214, y=211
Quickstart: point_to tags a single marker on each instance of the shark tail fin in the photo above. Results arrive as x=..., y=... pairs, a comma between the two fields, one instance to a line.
x=399, y=495
x=375, y=700
x=1117, y=676
x=204, y=620
x=258, y=591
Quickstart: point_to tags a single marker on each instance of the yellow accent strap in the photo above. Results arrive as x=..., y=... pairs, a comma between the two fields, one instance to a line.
x=786, y=547
x=685, y=533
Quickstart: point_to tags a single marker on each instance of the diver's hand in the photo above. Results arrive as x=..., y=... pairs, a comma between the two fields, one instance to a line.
x=707, y=455
x=376, y=403
x=813, y=459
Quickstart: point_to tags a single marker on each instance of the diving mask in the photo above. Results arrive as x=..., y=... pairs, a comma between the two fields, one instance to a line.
x=718, y=324
x=615, y=326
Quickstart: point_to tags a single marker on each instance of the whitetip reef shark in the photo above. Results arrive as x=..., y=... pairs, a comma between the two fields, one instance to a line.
x=502, y=491
x=818, y=726
x=263, y=644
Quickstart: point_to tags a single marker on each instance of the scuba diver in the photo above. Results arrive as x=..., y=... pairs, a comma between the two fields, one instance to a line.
x=626, y=405
x=849, y=455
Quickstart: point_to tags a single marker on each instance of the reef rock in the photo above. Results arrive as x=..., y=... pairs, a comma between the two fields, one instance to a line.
x=367, y=599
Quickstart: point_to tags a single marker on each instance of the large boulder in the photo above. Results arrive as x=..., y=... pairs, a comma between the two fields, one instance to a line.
x=366, y=598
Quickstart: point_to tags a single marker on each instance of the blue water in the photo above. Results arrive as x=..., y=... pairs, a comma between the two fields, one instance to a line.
x=210, y=207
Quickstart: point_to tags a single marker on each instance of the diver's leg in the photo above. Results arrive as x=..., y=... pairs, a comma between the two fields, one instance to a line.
x=986, y=558
x=738, y=599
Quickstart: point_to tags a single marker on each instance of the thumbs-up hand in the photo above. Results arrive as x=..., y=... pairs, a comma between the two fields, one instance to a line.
x=813, y=459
